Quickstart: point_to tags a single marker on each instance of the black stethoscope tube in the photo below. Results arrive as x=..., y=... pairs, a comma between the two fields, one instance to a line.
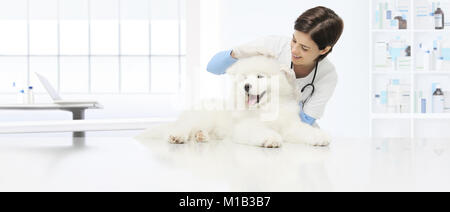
x=309, y=84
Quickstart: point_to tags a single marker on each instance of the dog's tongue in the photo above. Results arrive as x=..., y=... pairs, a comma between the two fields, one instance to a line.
x=252, y=99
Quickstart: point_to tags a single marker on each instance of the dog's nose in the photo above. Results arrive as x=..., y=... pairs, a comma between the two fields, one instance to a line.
x=247, y=87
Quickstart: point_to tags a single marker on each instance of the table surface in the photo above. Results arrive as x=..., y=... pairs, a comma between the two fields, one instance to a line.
x=114, y=161
x=49, y=106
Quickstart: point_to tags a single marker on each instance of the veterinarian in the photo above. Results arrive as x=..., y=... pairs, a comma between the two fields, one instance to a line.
x=316, y=32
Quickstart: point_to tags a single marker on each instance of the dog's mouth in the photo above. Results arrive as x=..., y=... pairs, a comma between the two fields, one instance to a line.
x=254, y=99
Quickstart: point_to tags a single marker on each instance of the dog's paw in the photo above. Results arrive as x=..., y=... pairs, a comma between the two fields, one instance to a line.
x=321, y=140
x=272, y=143
x=176, y=139
x=201, y=136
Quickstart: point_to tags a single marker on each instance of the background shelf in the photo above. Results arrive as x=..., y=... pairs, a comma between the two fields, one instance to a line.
x=431, y=72
x=410, y=116
x=391, y=115
x=406, y=124
x=432, y=116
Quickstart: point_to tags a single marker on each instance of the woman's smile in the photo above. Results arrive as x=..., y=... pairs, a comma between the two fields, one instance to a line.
x=295, y=57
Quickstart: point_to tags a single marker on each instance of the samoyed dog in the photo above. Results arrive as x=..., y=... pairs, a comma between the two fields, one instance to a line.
x=261, y=110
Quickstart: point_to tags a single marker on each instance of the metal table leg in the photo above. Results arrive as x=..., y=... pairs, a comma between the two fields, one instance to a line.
x=78, y=138
x=78, y=114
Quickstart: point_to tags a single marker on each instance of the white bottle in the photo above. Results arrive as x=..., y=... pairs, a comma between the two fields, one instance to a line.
x=420, y=54
x=433, y=59
x=393, y=96
x=427, y=60
x=440, y=63
x=19, y=95
x=446, y=101
x=438, y=100
x=377, y=106
x=405, y=97
x=23, y=96
x=30, y=95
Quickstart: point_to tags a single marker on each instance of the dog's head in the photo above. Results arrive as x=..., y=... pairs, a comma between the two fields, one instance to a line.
x=257, y=78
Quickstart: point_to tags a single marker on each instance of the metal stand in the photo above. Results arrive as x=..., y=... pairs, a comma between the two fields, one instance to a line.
x=78, y=114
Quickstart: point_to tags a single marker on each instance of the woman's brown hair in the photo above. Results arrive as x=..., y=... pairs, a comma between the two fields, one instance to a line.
x=323, y=25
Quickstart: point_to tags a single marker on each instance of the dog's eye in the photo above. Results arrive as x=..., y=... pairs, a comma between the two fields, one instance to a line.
x=260, y=76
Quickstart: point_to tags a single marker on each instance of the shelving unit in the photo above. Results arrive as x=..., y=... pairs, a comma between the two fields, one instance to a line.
x=412, y=121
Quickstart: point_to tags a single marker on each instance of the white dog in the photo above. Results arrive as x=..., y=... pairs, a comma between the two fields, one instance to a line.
x=262, y=111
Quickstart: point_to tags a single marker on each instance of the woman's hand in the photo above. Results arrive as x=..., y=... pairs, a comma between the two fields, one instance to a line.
x=245, y=51
x=233, y=55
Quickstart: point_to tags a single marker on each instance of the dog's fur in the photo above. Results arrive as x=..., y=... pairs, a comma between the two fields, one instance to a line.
x=264, y=112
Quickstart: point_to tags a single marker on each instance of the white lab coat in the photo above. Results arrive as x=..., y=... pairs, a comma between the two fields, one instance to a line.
x=325, y=82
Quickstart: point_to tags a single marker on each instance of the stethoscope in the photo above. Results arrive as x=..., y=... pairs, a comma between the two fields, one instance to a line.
x=309, y=84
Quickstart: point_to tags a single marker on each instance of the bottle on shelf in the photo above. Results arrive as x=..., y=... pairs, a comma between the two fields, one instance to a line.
x=393, y=96
x=18, y=93
x=423, y=105
x=23, y=96
x=427, y=60
x=401, y=23
x=440, y=64
x=439, y=18
x=378, y=106
x=405, y=97
x=446, y=101
x=30, y=95
x=433, y=58
x=438, y=100
x=420, y=62
x=418, y=95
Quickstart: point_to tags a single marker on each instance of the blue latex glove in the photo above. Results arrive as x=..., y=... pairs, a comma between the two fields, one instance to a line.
x=220, y=62
x=305, y=118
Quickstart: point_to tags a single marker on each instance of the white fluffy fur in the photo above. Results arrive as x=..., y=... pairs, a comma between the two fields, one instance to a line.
x=246, y=126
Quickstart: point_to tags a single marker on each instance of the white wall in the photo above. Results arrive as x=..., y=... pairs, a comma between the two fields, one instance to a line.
x=347, y=114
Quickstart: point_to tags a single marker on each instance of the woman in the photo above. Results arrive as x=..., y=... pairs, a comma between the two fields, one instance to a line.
x=316, y=32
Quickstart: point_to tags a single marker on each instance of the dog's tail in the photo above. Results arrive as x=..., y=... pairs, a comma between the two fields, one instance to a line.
x=155, y=132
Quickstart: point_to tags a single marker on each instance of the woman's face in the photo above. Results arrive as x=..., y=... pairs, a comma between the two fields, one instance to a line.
x=304, y=50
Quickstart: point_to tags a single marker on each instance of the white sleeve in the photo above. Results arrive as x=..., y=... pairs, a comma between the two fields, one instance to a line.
x=270, y=45
x=315, y=107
